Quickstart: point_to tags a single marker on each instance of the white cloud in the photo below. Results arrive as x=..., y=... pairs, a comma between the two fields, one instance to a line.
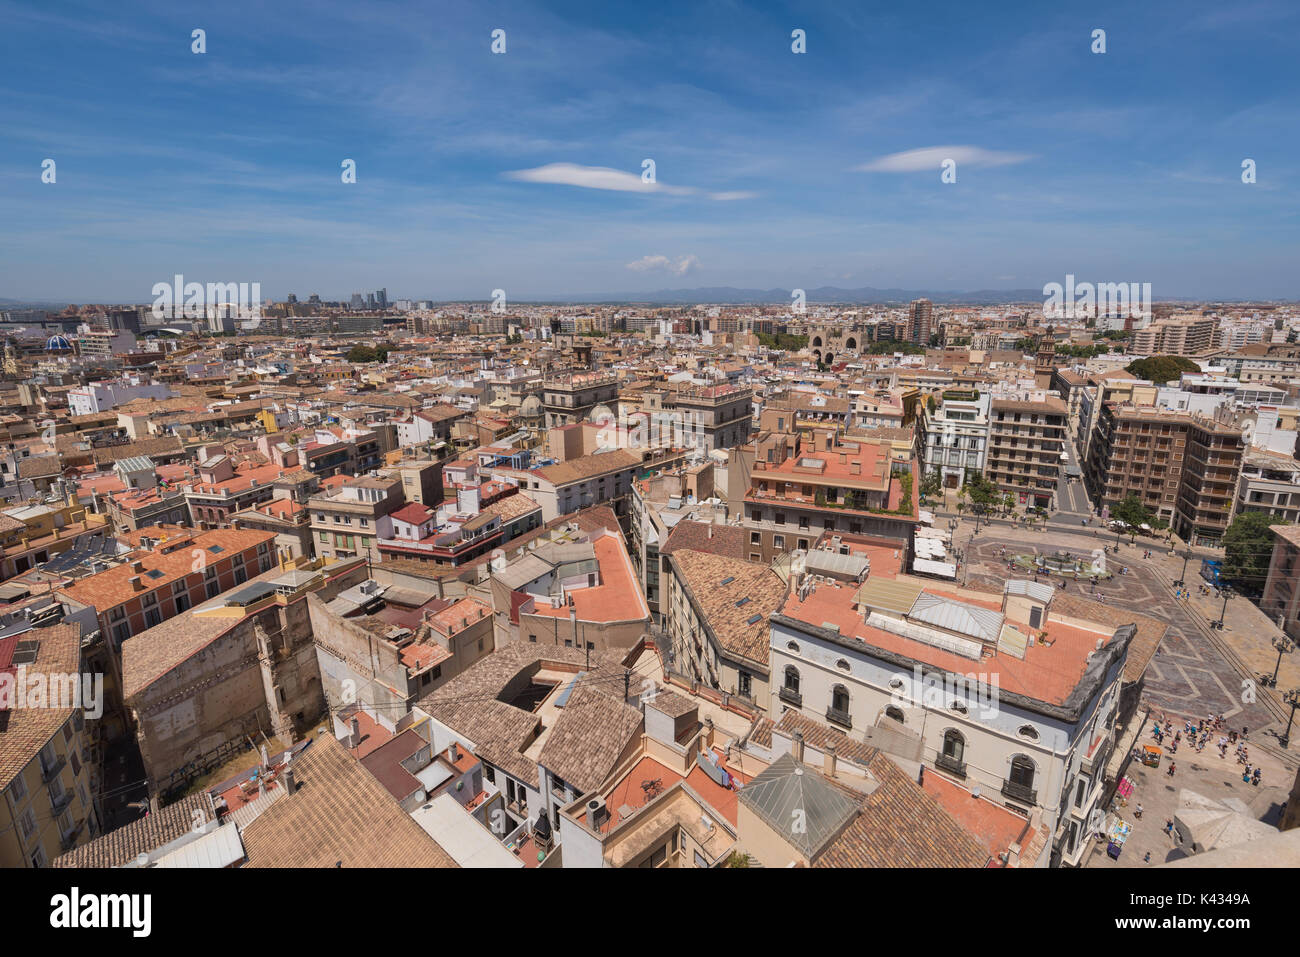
x=932, y=157
x=679, y=267
x=603, y=177
x=594, y=177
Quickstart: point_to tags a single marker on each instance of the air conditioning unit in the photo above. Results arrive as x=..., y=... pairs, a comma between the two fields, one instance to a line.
x=597, y=813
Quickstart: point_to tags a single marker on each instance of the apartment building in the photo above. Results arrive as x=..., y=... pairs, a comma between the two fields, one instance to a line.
x=570, y=399
x=47, y=788
x=1269, y=483
x=349, y=520
x=1281, y=597
x=716, y=610
x=603, y=478
x=791, y=489
x=1026, y=449
x=933, y=665
x=233, y=666
x=1177, y=337
x=714, y=416
x=953, y=439
x=920, y=319
x=1184, y=467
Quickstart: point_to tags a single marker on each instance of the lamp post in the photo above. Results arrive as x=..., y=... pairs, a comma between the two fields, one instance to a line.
x=1292, y=698
x=1284, y=646
x=1187, y=554
x=1227, y=593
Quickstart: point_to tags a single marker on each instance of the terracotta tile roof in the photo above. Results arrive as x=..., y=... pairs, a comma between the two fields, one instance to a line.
x=731, y=541
x=141, y=836
x=24, y=731
x=592, y=731
x=338, y=814
x=588, y=466
x=112, y=587
x=728, y=610
x=470, y=702
x=900, y=825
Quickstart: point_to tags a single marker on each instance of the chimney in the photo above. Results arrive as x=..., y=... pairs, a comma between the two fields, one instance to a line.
x=354, y=740
x=134, y=582
x=287, y=781
x=453, y=752
x=830, y=760
x=796, y=747
x=137, y=566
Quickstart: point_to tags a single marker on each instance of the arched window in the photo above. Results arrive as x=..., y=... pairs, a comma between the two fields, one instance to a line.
x=896, y=683
x=1028, y=731
x=1022, y=772
x=842, y=664
x=959, y=706
x=954, y=746
x=840, y=698
x=792, y=679
x=792, y=646
x=894, y=714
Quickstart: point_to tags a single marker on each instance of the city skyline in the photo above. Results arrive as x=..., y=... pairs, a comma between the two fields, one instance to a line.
x=523, y=170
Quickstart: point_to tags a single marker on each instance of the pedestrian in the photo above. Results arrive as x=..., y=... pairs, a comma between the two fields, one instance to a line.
x=1256, y=778
x=1172, y=768
x=1137, y=812
x=1147, y=859
x=1169, y=826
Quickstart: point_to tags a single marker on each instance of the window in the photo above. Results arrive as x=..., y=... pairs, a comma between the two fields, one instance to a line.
x=490, y=773
x=840, y=699
x=792, y=679
x=18, y=790
x=1028, y=731
x=1022, y=772
x=842, y=664
x=895, y=714
x=954, y=746
x=792, y=646
x=28, y=821
x=745, y=684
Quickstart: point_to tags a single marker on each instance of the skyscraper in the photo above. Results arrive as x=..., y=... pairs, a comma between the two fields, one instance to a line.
x=919, y=314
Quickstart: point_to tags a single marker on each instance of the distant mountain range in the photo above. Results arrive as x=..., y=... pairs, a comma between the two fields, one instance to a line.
x=821, y=294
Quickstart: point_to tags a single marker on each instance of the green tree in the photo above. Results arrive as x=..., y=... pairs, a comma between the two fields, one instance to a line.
x=1247, y=547
x=1132, y=512
x=363, y=353
x=1161, y=369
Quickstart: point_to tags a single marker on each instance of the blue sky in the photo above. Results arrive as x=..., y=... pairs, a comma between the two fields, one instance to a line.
x=478, y=171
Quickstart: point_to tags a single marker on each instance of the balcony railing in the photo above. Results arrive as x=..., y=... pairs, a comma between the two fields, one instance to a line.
x=48, y=773
x=790, y=696
x=951, y=765
x=1019, y=792
x=840, y=717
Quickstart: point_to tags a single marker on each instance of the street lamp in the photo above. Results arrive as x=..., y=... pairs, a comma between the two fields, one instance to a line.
x=1227, y=593
x=1292, y=698
x=1187, y=554
x=1284, y=646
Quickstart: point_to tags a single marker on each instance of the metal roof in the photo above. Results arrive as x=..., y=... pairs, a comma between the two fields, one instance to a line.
x=981, y=623
x=1036, y=590
x=788, y=793
x=824, y=561
x=888, y=594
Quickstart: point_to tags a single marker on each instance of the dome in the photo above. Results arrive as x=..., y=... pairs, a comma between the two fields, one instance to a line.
x=600, y=413
x=55, y=343
x=530, y=406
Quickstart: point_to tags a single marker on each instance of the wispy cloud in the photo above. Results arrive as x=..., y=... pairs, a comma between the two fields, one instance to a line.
x=617, y=180
x=933, y=157
x=678, y=267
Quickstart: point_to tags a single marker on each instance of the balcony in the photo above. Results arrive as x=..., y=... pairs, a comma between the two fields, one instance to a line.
x=790, y=696
x=840, y=717
x=49, y=773
x=944, y=763
x=1019, y=792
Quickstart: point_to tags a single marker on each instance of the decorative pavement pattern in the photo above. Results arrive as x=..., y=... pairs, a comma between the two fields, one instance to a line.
x=1188, y=676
